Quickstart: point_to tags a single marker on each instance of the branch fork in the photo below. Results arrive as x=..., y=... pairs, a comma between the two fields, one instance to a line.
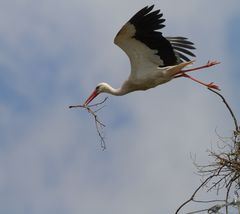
x=98, y=123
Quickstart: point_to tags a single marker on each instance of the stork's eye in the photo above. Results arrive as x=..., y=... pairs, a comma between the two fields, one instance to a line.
x=97, y=88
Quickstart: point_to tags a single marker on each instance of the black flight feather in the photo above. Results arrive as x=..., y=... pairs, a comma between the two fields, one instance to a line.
x=169, y=49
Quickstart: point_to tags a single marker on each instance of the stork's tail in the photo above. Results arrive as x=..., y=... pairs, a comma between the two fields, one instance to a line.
x=177, y=68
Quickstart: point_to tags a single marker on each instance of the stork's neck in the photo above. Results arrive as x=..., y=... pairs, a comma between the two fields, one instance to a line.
x=117, y=91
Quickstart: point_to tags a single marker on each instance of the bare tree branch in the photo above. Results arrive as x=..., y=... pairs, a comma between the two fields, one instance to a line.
x=228, y=107
x=194, y=193
x=223, y=172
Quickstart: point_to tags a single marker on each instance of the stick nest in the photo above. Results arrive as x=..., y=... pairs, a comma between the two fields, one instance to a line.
x=222, y=172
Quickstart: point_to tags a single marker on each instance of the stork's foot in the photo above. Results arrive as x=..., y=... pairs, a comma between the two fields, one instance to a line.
x=207, y=65
x=209, y=85
x=211, y=63
x=213, y=86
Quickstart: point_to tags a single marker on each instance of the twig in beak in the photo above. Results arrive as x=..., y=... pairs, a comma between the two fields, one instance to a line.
x=99, y=125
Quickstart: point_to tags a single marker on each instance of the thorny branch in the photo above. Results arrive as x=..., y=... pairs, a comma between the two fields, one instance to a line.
x=223, y=172
x=98, y=123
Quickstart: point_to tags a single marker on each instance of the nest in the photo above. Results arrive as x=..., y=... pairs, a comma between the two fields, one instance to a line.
x=222, y=172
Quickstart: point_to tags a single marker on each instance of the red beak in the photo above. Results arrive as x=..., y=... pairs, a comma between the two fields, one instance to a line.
x=91, y=97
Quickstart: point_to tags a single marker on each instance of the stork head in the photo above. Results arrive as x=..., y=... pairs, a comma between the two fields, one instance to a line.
x=100, y=88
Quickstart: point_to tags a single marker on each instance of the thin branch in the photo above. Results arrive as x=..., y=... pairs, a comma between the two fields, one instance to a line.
x=228, y=107
x=208, y=201
x=98, y=123
x=227, y=196
x=97, y=104
x=216, y=208
x=198, y=211
x=195, y=192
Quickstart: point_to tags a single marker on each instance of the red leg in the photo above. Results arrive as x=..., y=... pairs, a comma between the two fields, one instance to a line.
x=209, y=64
x=209, y=85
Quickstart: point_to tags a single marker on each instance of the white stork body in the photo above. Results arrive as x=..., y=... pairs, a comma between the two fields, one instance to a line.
x=145, y=70
x=154, y=59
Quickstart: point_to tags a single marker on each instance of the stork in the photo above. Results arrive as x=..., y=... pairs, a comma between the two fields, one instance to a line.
x=154, y=59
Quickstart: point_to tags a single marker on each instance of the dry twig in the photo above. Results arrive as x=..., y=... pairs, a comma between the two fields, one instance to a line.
x=98, y=123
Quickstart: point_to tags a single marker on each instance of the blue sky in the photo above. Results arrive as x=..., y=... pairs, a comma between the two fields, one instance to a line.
x=52, y=54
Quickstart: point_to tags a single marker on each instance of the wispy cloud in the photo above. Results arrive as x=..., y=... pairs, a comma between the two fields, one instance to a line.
x=52, y=54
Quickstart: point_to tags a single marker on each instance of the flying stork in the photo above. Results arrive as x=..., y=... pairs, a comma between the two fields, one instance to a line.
x=154, y=59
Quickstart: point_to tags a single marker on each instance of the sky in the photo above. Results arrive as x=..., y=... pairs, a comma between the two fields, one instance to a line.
x=52, y=55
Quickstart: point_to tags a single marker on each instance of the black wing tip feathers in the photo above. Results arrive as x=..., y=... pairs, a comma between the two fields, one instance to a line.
x=147, y=23
x=141, y=13
x=147, y=16
x=171, y=50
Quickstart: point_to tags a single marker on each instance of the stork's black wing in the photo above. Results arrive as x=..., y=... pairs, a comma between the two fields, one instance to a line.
x=143, y=27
